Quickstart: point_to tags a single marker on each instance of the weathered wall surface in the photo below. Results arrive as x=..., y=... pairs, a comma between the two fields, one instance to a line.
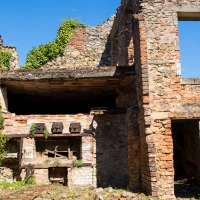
x=126, y=94
x=160, y=94
x=132, y=128
x=89, y=47
x=6, y=174
x=108, y=146
x=111, y=150
x=81, y=176
x=15, y=58
x=188, y=106
x=159, y=23
x=20, y=124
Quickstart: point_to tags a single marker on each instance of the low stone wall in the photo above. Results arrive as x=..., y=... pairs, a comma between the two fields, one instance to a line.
x=6, y=174
x=82, y=176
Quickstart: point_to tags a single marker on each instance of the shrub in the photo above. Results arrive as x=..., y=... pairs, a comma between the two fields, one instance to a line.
x=1, y=121
x=77, y=163
x=32, y=180
x=56, y=163
x=46, y=133
x=5, y=57
x=32, y=129
x=47, y=161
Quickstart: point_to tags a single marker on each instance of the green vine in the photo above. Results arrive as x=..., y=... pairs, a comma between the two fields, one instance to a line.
x=40, y=56
x=46, y=133
x=3, y=139
x=5, y=57
x=77, y=163
x=1, y=121
x=57, y=163
x=32, y=130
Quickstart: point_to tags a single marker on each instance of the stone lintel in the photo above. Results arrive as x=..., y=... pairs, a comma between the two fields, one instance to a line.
x=37, y=74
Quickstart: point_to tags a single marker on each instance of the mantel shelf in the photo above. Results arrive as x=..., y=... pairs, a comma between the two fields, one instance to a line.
x=52, y=135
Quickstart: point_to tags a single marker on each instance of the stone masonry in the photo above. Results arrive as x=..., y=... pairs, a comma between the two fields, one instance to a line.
x=161, y=93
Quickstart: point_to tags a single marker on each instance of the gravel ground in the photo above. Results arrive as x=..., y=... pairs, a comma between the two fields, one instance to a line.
x=59, y=192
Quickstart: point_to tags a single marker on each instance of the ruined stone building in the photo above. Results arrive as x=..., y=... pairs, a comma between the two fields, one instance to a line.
x=122, y=82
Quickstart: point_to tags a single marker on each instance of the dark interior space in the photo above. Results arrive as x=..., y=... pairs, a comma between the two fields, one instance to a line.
x=61, y=96
x=58, y=175
x=12, y=158
x=24, y=105
x=60, y=145
x=186, y=145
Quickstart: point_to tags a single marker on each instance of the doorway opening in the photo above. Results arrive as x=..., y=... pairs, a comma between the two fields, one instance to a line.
x=186, y=145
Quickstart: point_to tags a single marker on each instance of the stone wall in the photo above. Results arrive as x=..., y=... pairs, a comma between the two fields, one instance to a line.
x=20, y=124
x=160, y=95
x=105, y=152
x=89, y=47
x=15, y=58
x=160, y=26
x=126, y=95
x=6, y=174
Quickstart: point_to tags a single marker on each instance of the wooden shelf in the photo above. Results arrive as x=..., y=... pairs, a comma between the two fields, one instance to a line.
x=46, y=166
x=51, y=135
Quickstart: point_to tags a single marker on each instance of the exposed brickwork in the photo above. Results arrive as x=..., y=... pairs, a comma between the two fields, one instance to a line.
x=78, y=40
x=111, y=150
x=132, y=128
x=126, y=95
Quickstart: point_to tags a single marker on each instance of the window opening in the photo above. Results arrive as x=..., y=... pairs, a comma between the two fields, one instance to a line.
x=189, y=42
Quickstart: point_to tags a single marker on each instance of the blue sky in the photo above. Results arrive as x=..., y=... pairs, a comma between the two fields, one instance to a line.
x=28, y=23
x=189, y=39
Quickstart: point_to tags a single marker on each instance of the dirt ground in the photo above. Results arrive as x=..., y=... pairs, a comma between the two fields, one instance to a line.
x=59, y=192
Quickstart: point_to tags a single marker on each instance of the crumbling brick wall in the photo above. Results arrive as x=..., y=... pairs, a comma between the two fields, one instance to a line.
x=89, y=47
x=14, y=58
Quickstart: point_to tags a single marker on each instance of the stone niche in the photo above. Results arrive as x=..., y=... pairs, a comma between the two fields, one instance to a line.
x=61, y=148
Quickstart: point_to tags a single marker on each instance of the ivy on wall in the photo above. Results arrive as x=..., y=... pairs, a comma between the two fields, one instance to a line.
x=41, y=55
x=5, y=57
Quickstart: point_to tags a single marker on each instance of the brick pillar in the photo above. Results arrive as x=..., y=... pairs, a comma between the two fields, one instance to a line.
x=132, y=129
x=114, y=51
x=3, y=98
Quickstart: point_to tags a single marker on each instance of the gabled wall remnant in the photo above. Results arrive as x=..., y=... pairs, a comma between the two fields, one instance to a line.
x=89, y=47
x=135, y=143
